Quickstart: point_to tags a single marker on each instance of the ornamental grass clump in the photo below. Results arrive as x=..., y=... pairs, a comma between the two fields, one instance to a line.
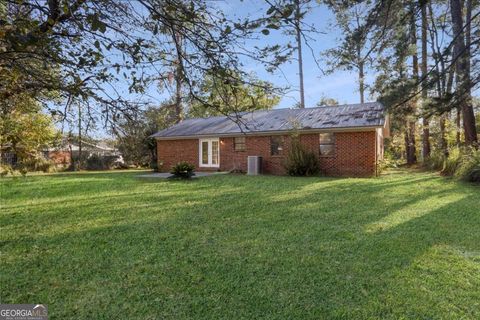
x=300, y=161
x=183, y=170
x=451, y=164
x=469, y=169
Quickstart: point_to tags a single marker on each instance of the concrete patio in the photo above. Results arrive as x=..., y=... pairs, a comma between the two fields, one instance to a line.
x=165, y=175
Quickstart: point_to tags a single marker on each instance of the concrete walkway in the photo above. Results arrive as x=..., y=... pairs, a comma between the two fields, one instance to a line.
x=165, y=175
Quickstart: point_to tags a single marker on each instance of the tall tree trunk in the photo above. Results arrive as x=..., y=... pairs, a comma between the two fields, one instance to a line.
x=426, y=128
x=412, y=150
x=406, y=140
x=443, y=86
x=361, y=81
x=72, y=159
x=443, y=140
x=468, y=39
x=79, y=161
x=448, y=91
x=458, y=123
x=178, y=75
x=461, y=56
x=178, y=93
x=299, y=51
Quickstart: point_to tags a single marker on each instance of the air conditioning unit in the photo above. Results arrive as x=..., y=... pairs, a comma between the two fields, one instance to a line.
x=254, y=165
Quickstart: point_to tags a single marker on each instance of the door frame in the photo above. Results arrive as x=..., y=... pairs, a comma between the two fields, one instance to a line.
x=210, y=152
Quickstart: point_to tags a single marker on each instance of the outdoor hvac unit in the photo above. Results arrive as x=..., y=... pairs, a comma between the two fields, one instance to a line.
x=254, y=165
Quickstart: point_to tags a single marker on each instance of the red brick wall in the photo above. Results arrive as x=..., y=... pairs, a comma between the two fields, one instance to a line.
x=60, y=157
x=170, y=152
x=354, y=153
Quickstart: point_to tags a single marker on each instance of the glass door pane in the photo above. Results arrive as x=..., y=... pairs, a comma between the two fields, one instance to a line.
x=205, y=152
x=214, y=152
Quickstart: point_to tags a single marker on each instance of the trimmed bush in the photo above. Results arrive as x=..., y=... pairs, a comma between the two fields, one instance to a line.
x=469, y=169
x=300, y=161
x=183, y=170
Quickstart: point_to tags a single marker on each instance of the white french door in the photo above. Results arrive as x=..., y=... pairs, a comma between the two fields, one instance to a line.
x=209, y=153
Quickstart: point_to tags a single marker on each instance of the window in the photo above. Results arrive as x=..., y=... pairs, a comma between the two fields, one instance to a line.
x=205, y=153
x=215, y=153
x=239, y=144
x=327, y=144
x=276, y=145
x=209, y=152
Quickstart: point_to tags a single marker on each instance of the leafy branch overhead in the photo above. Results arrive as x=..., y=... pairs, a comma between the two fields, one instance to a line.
x=70, y=48
x=106, y=61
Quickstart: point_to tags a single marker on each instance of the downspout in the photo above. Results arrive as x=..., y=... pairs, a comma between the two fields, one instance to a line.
x=376, y=153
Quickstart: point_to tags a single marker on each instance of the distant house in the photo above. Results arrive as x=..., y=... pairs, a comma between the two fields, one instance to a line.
x=63, y=154
x=348, y=139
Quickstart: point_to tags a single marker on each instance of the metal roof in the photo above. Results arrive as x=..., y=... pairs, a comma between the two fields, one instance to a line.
x=370, y=114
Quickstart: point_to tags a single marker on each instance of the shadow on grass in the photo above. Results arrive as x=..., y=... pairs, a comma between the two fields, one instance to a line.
x=248, y=247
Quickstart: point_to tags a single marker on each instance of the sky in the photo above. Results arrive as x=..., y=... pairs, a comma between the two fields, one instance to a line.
x=341, y=85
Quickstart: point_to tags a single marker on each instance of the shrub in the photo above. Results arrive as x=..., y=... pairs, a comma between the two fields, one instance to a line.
x=78, y=162
x=6, y=169
x=388, y=162
x=452, y=163
x=154, y=165
x=469, y=169
x=96, y=162
x=120, y=165
x=300, y=161
x=35, y=164
x=385, y=164
x=183, y=170
x=435, y=161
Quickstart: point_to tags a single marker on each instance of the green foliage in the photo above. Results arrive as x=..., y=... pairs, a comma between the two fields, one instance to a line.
x=67, y=52
x=463, y=163
x=300, y=161
x=154, y=166
x=183, y=170
x=229, y=94
x=36, y=163
x=6, y=169
x=24, y=128
x=97, y=162
x=452, y=163
x=389, y=162
x=326, y=101
x=53, y=51
x=435, y=161
x=469, y=168
x=133, y=135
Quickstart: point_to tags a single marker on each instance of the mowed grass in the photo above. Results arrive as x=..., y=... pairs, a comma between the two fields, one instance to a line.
x=113, y=246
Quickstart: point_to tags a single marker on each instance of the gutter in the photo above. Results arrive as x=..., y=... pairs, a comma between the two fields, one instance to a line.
x=265, y=133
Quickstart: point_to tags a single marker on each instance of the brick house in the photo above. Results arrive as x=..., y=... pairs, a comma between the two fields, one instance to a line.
x=348, y=139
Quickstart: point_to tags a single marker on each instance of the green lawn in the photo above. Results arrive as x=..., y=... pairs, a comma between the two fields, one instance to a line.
x=112, y=246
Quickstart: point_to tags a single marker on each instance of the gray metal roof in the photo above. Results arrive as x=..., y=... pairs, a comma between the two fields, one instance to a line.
x=370, y=114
